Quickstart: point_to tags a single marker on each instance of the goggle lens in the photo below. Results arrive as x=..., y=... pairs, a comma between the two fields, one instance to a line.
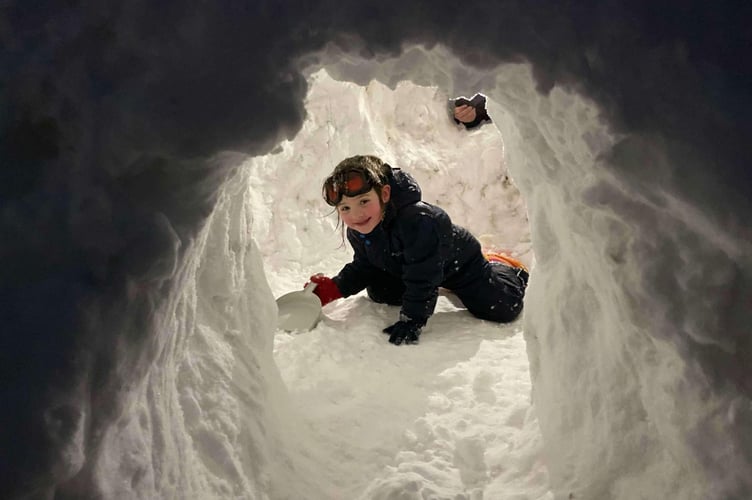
x=353, y=184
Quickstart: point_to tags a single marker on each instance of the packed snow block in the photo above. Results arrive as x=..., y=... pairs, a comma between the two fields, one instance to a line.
x=634, y=313
x=208, y=388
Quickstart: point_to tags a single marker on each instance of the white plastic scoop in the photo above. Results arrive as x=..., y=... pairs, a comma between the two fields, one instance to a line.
x=299, y=311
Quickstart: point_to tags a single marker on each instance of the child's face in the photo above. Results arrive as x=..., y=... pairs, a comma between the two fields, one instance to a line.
x=363, y=212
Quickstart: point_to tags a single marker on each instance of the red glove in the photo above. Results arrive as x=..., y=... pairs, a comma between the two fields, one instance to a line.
x=326, y=289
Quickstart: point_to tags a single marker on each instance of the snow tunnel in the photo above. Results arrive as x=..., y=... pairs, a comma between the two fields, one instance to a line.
x=140, y=359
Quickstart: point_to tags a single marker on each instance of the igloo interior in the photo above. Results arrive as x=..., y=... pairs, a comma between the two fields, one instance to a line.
x=126, y=228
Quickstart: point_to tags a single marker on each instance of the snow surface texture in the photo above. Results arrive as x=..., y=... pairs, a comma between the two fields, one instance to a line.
x=138, y=353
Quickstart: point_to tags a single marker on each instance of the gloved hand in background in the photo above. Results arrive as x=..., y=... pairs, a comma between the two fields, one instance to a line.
x=406, y=330
x=326, y=289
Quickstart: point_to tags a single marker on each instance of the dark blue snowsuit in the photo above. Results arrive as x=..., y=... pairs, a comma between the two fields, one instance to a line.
x=415, y=250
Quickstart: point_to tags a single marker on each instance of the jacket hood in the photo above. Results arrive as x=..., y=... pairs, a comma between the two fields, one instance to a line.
x=405, y=189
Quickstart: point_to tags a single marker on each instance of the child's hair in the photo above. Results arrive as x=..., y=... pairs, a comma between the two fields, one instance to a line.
x=373, y=170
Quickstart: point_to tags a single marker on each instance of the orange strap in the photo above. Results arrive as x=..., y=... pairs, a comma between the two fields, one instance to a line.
x=504, y=259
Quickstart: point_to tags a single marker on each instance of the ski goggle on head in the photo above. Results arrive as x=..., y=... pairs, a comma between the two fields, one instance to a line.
x=352, y=183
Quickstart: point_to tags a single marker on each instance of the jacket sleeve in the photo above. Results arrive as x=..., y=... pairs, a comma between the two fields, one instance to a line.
x=356, y=275
x=423, y=270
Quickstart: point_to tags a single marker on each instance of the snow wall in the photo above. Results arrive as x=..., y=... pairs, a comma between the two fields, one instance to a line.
x=123, y=237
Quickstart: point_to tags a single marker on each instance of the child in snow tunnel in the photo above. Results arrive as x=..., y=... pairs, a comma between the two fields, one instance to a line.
x=405, y=249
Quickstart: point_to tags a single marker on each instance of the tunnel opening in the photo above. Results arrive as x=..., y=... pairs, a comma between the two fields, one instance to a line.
x=375, y=107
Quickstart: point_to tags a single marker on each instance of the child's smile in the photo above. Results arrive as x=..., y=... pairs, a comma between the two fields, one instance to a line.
x=361, y=213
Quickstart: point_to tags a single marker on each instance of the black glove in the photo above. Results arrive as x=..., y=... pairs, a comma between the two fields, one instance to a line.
x=404, y=330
